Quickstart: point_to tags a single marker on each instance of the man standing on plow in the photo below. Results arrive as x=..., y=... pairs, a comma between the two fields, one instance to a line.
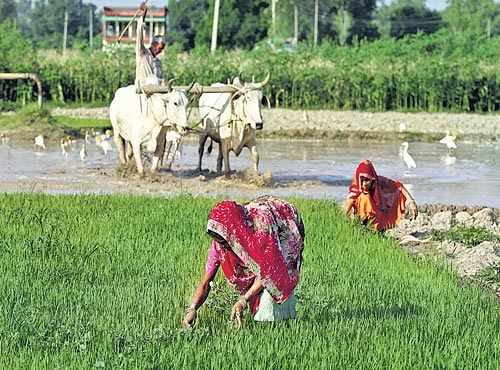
x=149, y=71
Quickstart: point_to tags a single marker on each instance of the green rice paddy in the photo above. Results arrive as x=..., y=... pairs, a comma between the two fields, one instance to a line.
x=103, y=281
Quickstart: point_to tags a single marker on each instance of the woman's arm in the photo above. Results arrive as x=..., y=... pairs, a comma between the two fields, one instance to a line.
x=199, y=297
x=411, y=200
x=237, y=311
x=254, y=290
x=348, y=206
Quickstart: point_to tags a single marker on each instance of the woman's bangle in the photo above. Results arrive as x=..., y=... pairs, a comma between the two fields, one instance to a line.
x=191, y=308
x=243, y=300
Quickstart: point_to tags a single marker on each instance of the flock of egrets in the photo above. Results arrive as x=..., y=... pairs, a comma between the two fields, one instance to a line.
x=448, y=140
x=69, y=143
x=105, y=143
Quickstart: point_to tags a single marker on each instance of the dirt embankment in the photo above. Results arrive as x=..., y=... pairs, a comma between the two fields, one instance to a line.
x=352, y=125
x=465, y=238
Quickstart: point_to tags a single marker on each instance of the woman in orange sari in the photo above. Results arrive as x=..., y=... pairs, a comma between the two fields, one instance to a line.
x=376, y=199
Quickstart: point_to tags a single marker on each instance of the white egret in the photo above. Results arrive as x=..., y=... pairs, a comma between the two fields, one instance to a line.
x=449, y=140
x=64, y=147
x=99, y=138
x=410, y=162
x=402, y=127
x=87, y=137
x=305, y=117
x=39, y=142
x=83, y=153
x=6, y=140
x=106, y=146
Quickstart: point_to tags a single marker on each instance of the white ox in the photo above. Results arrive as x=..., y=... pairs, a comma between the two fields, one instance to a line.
x=139, y=121
x=231, y=119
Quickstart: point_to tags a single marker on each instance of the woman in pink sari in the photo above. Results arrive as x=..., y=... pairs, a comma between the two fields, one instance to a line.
x=259, y=247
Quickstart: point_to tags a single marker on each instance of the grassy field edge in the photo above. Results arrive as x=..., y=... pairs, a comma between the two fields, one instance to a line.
x=104, y=281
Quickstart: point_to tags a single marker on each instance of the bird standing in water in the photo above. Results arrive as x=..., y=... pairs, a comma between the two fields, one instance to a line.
x=449, y=140
x=83, y=153
x=39, y=142
x=64, y=147
x=6, y=140
x=410, y=162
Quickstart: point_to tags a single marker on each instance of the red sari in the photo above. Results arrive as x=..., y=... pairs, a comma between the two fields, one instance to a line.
x=383, y=205
x=266, y=237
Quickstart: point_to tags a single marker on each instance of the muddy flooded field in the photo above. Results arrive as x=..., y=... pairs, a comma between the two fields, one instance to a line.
x=468, y=176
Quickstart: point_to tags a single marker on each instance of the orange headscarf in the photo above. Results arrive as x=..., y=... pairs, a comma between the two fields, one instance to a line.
x=365, y=169
x=388, y=201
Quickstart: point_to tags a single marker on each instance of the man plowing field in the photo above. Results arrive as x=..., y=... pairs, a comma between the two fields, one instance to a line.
x=148, y=69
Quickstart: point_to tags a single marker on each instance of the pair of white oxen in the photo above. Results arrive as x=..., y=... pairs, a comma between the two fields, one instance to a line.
x=229, y=118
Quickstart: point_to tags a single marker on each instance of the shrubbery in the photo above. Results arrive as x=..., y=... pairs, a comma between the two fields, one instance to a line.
x=439, y=72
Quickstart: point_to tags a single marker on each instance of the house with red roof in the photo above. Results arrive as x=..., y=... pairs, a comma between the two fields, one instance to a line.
x=114, y=21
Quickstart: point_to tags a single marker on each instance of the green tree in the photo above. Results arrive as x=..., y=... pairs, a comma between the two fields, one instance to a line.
x=406, y=17
x=343, y=23
x=410, y=18
x=23, y=16
x=7, y=10
x=477, y=17
x=185, y=18
x=240, y=24
x=339, y=20
x=494, y=26
x=254, y=22
x=47, y=23
x=14, y=48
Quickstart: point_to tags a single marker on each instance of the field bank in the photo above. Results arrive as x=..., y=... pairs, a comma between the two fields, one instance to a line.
x=354, y=125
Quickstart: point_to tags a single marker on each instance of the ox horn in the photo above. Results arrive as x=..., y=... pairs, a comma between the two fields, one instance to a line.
x=168, y=84
x=190, y=86
x=264, y=82
x=240, y=78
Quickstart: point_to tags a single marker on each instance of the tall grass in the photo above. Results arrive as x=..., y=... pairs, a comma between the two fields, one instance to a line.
x=92, y=281
x=439, y=72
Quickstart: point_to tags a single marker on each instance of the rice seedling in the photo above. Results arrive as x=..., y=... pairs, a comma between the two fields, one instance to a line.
x=470, y=236
x=103, y=281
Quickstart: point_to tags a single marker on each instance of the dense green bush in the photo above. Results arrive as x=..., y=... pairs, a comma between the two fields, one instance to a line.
x=439, y=72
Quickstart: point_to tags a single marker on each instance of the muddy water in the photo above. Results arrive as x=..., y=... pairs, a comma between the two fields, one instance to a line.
x=469, y=176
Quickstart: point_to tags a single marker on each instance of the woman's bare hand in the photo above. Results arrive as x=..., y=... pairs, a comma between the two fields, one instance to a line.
x=189, y=319
x=237, y=312
x=413, y=210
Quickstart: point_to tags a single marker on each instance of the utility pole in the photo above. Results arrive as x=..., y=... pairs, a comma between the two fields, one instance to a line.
x=295, y=24
x=316, y=19
x=488, y=27
x=65, y=33
x=91, y=28
x=273, y=16
x=215, y=25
